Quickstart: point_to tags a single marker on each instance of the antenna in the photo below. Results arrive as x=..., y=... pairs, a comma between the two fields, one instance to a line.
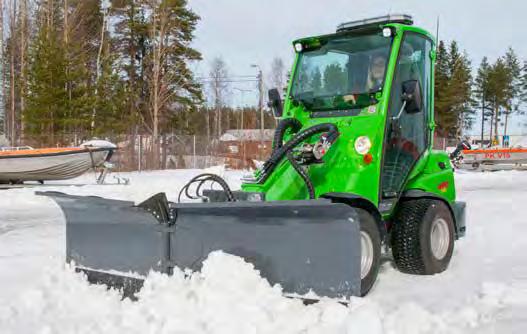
x=437, y=33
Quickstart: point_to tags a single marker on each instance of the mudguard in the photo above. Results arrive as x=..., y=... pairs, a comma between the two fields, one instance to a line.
x=302, y=245
x=457, y=209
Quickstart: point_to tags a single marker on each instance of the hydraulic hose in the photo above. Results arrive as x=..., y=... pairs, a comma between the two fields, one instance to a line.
x=281, y=152
x=281, y=129
x=200, y=180
x=294, y=125
x=303, y=175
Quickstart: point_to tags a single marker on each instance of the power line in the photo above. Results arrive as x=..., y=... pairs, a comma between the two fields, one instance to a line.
x=230, y=77
x=226, y=81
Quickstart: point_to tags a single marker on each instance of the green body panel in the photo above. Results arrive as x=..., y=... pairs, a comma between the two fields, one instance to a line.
x=433, y=174
x=344, y=170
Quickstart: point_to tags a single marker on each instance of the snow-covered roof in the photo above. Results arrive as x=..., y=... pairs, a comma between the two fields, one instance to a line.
x=247, y=135
x=98, y=144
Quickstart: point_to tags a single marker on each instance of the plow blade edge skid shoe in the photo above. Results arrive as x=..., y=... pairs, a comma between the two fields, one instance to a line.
x=302, y=245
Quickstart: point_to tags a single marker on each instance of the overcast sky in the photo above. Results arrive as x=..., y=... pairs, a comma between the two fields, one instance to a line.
x=244, y=32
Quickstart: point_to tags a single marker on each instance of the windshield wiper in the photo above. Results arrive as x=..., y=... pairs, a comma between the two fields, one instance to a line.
x=334, y=102
x=306, y=100
x=339, y=103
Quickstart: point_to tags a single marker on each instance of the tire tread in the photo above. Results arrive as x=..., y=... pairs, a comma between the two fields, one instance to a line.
x=406, y=244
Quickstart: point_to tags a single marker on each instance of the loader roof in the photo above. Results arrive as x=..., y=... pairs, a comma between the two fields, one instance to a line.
x=376, y=21
x=396, y=21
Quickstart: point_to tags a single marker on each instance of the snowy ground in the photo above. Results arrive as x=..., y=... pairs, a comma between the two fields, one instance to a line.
x=484, y=290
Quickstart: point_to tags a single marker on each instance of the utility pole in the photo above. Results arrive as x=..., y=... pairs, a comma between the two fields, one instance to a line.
x=105, y=9
x=242, y=91
x=2, y=78
x=260, y=107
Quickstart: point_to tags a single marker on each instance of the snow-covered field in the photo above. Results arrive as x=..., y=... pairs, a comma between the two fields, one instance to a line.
x=484, y=290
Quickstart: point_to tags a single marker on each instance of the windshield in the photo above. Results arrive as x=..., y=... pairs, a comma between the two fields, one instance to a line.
x=345, y=72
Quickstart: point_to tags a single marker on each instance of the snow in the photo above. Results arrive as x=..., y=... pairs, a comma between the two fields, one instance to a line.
x=483, y=291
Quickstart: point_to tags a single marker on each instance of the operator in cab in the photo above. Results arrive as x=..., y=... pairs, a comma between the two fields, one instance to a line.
x=376, y=73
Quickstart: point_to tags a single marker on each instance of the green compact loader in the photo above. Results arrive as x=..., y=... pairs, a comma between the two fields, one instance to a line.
x=352, y=173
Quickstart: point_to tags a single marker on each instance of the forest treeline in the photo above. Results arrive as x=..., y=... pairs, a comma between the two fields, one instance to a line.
x=483, y=99
x=92, y=68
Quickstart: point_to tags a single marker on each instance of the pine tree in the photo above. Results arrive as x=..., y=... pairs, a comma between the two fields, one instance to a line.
x=499, y=93
x=513, y=85
x=444, y=118
x=82, y=27
x=316, y=81
x=523, y=83
x=111, y=98
x=482, y=93
x=334, y=78
x=453, y=95
x=47, y=97
x=59, y=95
x=131, y=40
x=461, y=89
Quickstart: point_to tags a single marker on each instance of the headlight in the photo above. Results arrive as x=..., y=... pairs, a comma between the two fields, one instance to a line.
x=299, y=47
x=362, y=145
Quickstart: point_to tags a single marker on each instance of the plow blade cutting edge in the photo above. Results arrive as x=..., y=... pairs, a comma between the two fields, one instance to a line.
x=302, y=245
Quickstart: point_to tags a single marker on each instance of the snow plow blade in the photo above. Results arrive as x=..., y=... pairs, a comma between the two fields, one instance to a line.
x=302, y=245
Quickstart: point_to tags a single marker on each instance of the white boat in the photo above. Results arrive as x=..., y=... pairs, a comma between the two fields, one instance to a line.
x=21, y=164
x=475, y=159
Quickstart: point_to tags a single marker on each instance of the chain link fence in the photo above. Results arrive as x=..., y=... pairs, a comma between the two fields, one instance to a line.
x=171, y=151
x=237, y=149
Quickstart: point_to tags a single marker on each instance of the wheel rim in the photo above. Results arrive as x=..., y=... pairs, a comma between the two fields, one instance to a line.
x=439, y=238
x=366, y=260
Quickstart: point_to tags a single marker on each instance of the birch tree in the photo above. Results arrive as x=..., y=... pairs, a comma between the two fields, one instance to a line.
x=219, y=87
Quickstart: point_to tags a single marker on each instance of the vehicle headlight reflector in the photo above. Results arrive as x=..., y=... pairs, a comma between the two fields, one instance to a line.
x=299, y=47
x=363, y=145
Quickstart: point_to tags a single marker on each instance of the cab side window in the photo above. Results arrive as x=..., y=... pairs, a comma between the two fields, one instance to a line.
x=407, y=137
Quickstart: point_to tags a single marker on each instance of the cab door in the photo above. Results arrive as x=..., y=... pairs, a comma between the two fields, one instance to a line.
x=407, y=135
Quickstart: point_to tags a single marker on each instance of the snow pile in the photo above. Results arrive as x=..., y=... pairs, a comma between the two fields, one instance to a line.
x=227, y=296
x=483, y=291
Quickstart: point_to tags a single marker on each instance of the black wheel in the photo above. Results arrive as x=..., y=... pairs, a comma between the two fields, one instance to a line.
x=422, y=237
x=370, y=251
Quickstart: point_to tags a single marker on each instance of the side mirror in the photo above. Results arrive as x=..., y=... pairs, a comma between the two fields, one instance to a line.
x=412, y=96
x=275, y=102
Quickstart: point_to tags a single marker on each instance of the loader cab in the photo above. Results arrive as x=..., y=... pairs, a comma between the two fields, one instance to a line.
x=373, y=81
x=380, y=64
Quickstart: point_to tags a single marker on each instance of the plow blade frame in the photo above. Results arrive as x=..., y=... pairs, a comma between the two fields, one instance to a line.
x=302, y=245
